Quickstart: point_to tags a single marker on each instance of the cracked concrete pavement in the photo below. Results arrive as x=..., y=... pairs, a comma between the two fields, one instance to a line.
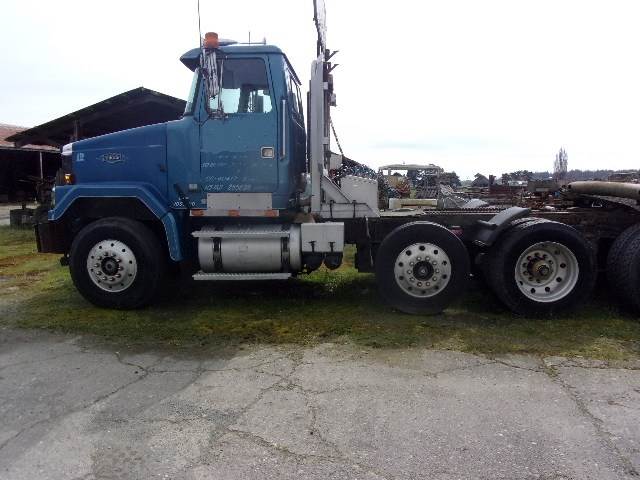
x=71, y=408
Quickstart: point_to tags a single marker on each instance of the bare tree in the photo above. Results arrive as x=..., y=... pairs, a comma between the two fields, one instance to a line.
x=560, y=165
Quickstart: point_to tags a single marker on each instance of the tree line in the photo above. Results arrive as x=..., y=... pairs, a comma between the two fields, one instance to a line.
x=570, y=176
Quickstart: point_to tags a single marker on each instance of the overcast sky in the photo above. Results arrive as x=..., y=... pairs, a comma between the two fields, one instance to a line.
x=473, y=86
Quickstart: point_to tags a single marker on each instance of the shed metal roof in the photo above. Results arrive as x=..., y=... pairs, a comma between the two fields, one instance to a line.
x=134, y=108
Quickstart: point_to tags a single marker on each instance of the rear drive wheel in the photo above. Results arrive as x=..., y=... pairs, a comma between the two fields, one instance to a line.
x=540, y=267
x=117, y=263
x=623, y=268
x=421, y=268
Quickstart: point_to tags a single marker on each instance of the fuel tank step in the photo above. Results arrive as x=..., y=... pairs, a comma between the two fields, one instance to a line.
x=248, y=233
x=226, y=277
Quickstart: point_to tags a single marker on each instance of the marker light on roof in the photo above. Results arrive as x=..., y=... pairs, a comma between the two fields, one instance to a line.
x=211, y=40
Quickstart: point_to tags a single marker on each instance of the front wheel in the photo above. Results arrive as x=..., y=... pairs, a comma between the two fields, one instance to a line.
x=421, y=268
x=117, y=263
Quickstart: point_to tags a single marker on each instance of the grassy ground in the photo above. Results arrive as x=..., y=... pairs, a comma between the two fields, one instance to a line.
x=36, y=292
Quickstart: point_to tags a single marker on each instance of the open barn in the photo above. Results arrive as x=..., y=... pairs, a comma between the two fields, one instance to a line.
x=31, y=156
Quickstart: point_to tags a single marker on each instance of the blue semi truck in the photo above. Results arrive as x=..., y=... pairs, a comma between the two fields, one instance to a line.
x=239, y=189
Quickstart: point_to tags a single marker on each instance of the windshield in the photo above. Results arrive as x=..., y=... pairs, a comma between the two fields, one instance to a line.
x=191, y=99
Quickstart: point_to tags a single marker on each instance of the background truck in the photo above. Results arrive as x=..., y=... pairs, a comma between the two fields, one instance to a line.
x=239, y=189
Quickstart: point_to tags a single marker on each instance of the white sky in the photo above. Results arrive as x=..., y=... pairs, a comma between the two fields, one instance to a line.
x=474, y=86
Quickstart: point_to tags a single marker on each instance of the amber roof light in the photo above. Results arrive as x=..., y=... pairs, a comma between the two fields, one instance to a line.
x=211, y=40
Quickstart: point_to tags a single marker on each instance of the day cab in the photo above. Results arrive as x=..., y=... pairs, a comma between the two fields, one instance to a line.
x=242, y=188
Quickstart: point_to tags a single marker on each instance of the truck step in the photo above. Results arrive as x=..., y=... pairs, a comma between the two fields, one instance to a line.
x=226, y=277
x=241, y=234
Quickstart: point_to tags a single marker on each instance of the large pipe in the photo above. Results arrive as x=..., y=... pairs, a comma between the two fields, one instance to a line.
x=609, y=189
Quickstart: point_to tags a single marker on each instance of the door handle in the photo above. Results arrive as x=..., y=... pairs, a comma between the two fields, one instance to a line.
x=267, y=152
x=284, y=128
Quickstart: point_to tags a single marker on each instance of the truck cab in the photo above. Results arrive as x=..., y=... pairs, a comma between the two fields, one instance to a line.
x=251, y=134
x=233, y=187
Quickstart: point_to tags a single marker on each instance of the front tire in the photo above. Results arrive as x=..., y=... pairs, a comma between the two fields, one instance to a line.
x=117, y=263
x=421, y=268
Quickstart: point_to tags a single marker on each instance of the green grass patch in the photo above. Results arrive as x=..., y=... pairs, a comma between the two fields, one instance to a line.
x=342, y=306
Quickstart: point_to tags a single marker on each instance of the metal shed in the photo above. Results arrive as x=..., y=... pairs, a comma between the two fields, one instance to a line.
x=131, y=109
x=21, y=166
x=27, y=154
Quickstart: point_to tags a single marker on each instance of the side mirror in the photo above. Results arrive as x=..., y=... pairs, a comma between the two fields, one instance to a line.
x=209, y=68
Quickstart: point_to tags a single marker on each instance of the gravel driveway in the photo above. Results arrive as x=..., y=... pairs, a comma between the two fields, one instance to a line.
x=74, y=409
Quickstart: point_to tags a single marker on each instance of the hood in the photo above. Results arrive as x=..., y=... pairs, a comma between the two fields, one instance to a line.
x=135, y=155
x=149, y=135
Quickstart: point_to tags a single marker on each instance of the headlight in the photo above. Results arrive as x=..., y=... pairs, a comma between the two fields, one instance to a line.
x=53, y=197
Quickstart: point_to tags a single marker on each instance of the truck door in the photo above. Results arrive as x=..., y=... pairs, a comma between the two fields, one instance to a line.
x=298, y=138
x=239, y=149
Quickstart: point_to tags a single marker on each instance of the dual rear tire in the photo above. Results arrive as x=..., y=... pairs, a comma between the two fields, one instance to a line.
x=537, y=268
x=540, y=268
x=623, y=268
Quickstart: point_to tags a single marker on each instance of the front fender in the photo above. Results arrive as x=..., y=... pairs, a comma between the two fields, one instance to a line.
x=66, y=195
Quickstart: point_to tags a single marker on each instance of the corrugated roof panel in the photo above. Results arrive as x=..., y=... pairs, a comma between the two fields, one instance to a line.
x=116, y=113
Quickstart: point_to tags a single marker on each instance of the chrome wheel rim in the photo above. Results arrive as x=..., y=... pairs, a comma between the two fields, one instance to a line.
x=547, y=272
x=422, y=270
x=112, y=266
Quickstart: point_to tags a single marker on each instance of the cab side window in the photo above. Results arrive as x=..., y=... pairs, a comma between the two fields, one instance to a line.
x=293, y=92
x=299, y=98
x=245, y=87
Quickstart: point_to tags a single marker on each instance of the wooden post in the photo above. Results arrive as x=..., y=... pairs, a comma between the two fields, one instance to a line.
x=76, y=131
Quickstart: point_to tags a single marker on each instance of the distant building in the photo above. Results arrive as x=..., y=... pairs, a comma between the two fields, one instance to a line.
x=480, y=181
x=131, y=109
x=21, y=167
x=29, y=154
x=631, y=176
